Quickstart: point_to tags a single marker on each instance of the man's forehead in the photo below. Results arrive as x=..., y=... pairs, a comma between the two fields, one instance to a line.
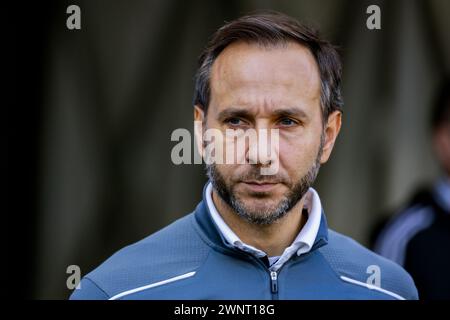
x=248, y=71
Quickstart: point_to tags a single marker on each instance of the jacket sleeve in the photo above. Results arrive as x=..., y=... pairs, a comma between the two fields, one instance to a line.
x=88, y=290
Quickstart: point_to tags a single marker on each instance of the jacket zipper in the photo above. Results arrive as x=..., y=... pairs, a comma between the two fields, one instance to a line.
x=274, y=282
x=273, y=276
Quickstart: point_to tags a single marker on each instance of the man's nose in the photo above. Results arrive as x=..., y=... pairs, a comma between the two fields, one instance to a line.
x=263, y=151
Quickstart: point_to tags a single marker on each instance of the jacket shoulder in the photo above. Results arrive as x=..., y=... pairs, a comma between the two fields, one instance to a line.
x=358, y=265
x=172, y=251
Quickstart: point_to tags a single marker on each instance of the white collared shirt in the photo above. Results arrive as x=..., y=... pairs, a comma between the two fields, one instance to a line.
x=302, y=243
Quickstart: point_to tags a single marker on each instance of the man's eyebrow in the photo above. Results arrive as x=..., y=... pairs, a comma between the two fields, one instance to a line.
x=233, y=112
x=278, y=113
x=290, y=112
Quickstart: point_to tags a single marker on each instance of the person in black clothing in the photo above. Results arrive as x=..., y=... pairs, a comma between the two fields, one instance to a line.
x=418, y=237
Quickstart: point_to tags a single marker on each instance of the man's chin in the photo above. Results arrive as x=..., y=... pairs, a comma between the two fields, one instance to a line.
x=260, y=213
x=258, y=205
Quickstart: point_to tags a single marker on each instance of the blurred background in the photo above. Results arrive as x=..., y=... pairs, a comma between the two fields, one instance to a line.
x=104, y=100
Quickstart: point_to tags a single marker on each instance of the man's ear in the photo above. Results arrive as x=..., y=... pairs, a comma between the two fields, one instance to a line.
x=331, y=131
x=199, y=119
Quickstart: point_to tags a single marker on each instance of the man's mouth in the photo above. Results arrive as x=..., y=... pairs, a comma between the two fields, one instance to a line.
x=260, y=186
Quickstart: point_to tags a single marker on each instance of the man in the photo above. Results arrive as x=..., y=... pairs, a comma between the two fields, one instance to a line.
x=257, y=235
x=416, y=236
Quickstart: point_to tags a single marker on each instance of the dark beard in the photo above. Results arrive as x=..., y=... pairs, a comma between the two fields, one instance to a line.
x=296, y=192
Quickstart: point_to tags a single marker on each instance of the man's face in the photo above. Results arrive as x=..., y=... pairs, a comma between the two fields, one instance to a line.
x=253, y=87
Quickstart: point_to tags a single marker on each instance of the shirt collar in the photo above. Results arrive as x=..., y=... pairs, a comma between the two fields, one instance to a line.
x=302, y=243
x=225, y=230
x=308, y=233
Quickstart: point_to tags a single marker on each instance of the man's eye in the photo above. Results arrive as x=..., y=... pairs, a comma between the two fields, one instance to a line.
x=235, y=121
x=287, y=122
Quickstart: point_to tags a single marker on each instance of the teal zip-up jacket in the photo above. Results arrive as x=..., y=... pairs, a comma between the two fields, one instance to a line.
x=189, y=259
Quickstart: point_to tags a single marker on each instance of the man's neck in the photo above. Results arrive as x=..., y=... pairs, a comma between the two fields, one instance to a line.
x=272, y=238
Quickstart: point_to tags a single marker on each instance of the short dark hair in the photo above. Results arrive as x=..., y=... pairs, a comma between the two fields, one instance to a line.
x=269, y=29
